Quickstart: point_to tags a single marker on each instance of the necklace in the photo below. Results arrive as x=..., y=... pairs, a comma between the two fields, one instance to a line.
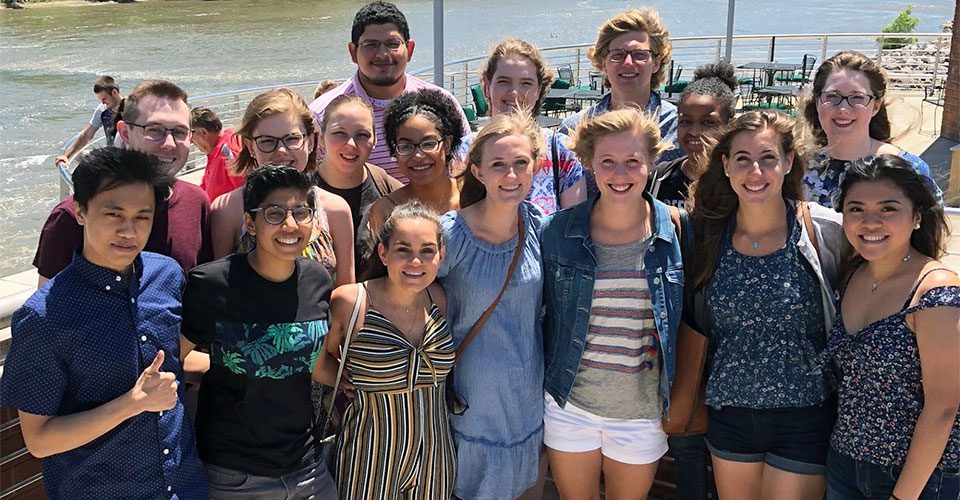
x=406, y=311
x=877, y=283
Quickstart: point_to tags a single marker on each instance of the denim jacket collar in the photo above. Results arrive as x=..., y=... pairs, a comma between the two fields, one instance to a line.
x=578, y=225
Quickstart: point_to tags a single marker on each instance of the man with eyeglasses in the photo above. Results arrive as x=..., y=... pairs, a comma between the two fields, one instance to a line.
x=156, y=120
x=381, y=47
x=633, y=51
x=264, y=315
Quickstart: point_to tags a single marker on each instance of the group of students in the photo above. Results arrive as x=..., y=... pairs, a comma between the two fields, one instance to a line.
x=534, y=323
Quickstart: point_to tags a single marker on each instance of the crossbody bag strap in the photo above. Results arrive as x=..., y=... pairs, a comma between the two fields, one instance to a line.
x=343, y=355
x=521, y=239
x=804, y=213
x=556, y=168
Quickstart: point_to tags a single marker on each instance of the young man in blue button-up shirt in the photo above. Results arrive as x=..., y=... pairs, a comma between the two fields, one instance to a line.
x=93, y=366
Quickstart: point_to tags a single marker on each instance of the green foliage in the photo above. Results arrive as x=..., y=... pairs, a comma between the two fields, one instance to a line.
x=905, y=22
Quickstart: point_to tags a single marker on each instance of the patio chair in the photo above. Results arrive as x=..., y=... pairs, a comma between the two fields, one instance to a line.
x=933, y=94
x=479, y=100
x=556, y=105
x=675, y=85
x=802, y=75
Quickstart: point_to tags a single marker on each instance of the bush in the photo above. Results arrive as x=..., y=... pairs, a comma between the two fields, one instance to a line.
x=905, y=22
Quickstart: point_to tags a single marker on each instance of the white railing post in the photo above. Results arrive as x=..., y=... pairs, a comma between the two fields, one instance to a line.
x=717, y=58
x=823, y=51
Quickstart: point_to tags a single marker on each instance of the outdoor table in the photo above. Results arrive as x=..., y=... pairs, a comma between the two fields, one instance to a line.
x=771, y=68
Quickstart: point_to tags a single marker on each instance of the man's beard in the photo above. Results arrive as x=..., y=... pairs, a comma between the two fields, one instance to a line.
x=383, y=81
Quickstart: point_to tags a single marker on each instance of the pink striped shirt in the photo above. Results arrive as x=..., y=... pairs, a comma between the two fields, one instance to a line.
x=380, y=155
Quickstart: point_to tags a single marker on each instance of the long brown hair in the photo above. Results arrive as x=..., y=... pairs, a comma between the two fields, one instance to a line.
x=516, y=123
x=274, y=102
x=713, y=201
x=853, y=61
x=519, y=48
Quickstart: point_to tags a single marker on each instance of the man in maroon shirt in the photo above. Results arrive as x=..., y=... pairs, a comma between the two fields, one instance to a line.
x=156, y=120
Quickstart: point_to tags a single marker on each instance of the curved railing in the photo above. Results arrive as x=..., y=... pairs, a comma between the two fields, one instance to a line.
x=927, y=65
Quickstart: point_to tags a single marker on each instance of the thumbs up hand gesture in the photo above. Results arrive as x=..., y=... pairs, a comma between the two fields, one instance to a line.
x=155, y=390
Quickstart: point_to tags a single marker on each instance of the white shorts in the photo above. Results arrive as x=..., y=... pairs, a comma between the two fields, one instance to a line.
x=574, y=430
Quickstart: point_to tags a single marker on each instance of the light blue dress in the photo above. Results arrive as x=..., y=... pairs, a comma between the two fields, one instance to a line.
x=500, y=375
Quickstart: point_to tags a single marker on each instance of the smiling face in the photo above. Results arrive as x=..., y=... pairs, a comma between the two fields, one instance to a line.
x=378, y=64
x=413, y=254
x=698, y=114
x=630, y=76
x=167, y=113
x=757, y=166
x=116, y=225
x=878, y=219
x=349, y=137
x=506, y=169
x=621, y=164
x=514, y=85
x=845, y=122
x=279, y=242
x=422, y=168
x=280, y=126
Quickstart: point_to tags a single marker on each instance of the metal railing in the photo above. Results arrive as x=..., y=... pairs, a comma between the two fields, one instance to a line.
x=928, y=67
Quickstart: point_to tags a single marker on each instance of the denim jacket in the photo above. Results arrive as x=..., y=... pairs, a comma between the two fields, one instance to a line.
x=570, y=265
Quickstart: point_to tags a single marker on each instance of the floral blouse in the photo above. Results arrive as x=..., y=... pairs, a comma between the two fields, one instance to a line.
x=768, y=328
x=822, y=179
x=881, y=389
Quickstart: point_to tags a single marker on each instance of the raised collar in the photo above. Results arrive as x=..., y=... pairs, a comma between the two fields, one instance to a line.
x=105, y=279
x=578, y=224
x=653, y=104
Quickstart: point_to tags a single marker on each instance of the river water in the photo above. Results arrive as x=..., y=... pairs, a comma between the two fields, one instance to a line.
x=50, y=55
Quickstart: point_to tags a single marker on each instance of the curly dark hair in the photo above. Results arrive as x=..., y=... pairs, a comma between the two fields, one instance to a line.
x=716, y=80
x=430, y=104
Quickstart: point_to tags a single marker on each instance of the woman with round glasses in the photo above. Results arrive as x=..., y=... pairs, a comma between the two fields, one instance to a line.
x=516, y=77
x=278, y=129
x=422, y=128
x=633, y=52
x=848, y=116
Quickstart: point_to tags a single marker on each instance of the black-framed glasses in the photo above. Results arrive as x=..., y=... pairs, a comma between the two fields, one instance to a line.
x=855, y=100
x=426, y=147
x=276, y=215
x=158, y=133
x=392, y=45
x=639, y=55
x=269, y=143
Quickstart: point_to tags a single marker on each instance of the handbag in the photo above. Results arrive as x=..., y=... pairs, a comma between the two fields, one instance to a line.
x=688, y=410
x=325, y=439
x=455, y=403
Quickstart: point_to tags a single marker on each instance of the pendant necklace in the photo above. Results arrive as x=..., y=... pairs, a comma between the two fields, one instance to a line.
x=877, y=283
x=756, y=244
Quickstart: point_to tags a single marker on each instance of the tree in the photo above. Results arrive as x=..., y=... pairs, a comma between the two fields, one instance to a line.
x=905, y=22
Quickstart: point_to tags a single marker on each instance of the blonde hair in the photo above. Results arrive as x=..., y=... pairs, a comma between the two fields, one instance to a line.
x=519, y=48
x=274, y=102
x=584, y=139
x=643, y=20
x=516, y=123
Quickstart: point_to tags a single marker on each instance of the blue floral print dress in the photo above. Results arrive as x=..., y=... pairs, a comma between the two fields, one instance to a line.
x=881, y=388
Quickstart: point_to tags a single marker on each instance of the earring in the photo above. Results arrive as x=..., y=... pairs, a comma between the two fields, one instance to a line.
x=726, y=173
x=917, y=226
x=788, y=171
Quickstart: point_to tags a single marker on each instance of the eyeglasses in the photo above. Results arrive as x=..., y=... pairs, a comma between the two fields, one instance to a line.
x=855, y=100
x=157, y=133
x=426, y=147
x=269, y=143
x=392, y=45
x=276, y=215
x=639, y=55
